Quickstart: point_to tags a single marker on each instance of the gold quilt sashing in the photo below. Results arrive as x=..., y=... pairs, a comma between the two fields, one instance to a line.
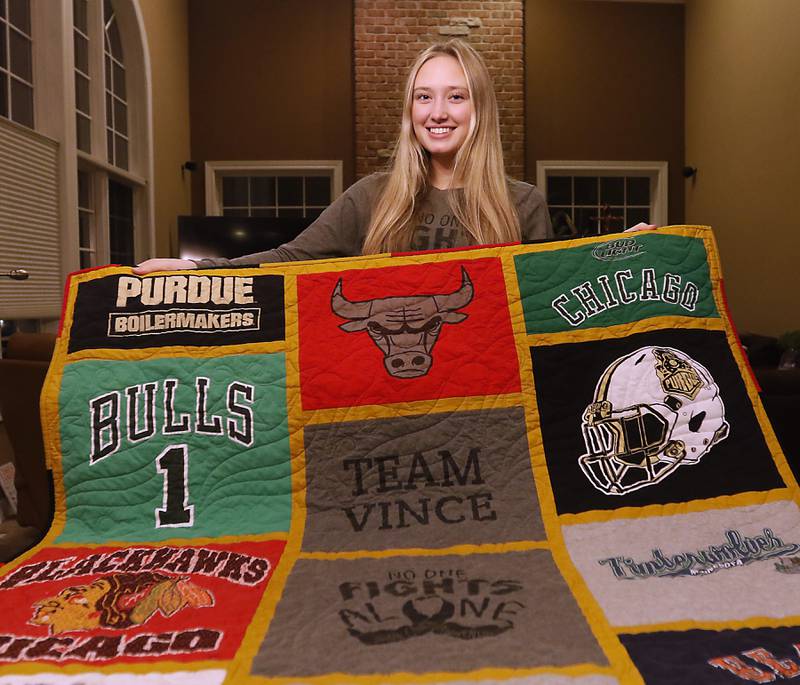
x=538, y=464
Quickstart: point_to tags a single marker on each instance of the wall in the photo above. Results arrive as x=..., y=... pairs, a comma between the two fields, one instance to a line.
x=166, y=24
x=388, y=36
x=605, y=81
x=270, y=80
x=742, y=133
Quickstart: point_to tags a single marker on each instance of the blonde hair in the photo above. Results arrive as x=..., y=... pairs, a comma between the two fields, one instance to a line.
x=482, y=203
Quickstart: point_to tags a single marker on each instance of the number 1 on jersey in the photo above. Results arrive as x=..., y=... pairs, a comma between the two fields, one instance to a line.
x=173, y=464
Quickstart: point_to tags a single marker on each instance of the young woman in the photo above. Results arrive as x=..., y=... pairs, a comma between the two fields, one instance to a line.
x=446, y=186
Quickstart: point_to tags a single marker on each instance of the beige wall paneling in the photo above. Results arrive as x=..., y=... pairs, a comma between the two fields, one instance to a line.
x=743, y=135
x=166, y=28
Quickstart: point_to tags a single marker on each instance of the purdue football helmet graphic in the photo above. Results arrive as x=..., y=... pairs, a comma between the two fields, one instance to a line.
x=654, y=410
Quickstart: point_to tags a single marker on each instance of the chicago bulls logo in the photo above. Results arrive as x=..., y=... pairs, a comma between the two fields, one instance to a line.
x=405, y=329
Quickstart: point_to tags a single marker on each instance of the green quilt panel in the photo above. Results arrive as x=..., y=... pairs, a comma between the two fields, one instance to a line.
x=207, y=455
x=620, y=281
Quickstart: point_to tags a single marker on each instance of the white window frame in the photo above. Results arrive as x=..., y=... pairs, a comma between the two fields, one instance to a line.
x=58, y=105
x=10, y=75
x=216, y=170
x=658, y=171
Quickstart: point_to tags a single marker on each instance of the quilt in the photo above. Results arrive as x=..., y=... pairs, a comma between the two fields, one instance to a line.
x=521, y=465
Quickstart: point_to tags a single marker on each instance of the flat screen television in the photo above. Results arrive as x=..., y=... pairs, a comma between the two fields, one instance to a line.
x=231, y=236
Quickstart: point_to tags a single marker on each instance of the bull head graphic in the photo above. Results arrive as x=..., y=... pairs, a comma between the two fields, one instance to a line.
x=404, y=328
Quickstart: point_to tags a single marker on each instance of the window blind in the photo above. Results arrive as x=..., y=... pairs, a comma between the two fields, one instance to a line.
x=29, y=224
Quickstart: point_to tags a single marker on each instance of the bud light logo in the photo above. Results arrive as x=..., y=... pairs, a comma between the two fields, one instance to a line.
x=615, y=250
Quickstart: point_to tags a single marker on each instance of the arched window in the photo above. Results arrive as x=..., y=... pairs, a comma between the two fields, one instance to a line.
x=75, y=144
x=112, y=129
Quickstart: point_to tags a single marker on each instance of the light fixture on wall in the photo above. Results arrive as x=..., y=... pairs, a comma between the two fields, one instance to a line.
x=15, y=274
x=189, y=166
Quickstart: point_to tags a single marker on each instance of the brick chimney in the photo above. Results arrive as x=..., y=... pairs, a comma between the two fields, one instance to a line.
x=388, y=36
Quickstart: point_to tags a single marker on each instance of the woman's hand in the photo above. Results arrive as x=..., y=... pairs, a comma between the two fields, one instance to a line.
x=641, y=227
x=150, y=265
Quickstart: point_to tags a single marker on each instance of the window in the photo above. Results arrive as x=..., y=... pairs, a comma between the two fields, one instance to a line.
x=112, y=192
x=116, y=97
x=83, y=117
x=275, y=196
x=592, y=198
x=120, y=220
x=16, y=62
x=272, y=189
x=86, y=220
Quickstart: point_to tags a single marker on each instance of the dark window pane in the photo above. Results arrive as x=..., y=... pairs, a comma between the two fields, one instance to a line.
x=109, y=111
x=121, y=152
x=86, y=260
x=85, y=229
x=262, y=192
x=612, y=190
x=263, y=211
x=80, y=15
x=20, y=56
x=3, y=95
x=82, y=93
x=234, y=212
x=612, y=219
x=3, y=61
x=19, y=13
x=81, y=53
x=120, y=117
x=108, y=73
x=2, y=8
x=84, y=190
x=234, y=192
x=110, y=145
x=636, y=216
x=314, y=212
x=586, y=221
x=290, y=211
x=21, y=103
x=290, y=190
x=120, y=222
x=120, y=200
x=114, y=40
x=563, y=225
x=119, y=82
x=638, y=190
x=84, y=132
x=586, y=190
x=318, y=190
x=559, y=190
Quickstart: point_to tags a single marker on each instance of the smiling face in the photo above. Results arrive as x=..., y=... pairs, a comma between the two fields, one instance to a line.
x=441, y=109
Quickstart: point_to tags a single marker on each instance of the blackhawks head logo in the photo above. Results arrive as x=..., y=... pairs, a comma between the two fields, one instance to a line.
x=118, y=601
x=405, y=329
x=654, y=410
